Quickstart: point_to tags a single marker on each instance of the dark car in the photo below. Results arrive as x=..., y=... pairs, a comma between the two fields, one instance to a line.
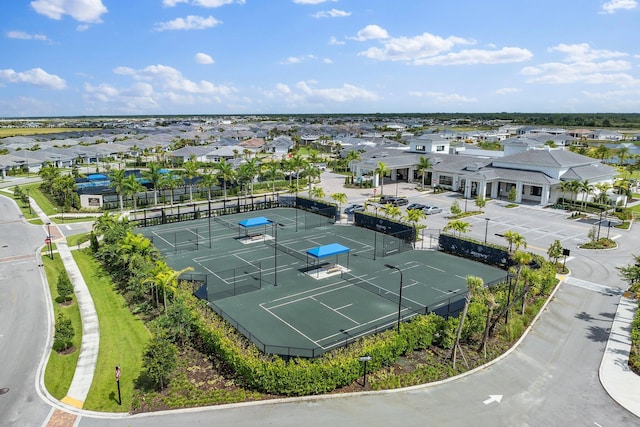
x=416, y=206
x=400, y=201
x=386, y=199
x=349, y=210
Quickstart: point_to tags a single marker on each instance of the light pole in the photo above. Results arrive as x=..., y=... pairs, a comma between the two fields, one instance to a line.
x=486, y=228
x=364, y=359
x=275, y=251
x=29, y=201
x=49, y=237
x=600, y=221
x=393, y=267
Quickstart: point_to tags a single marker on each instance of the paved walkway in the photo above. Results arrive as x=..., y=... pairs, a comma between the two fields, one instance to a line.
x=619, y=382
x=83, y=376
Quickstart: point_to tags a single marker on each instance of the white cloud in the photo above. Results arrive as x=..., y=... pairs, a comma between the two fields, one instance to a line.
x=26, y=36
x=203, y=58
x=413, y=48
x=334, y=41
x=477, y=56
x=202, y=3
x=327, y=61
x=297, y=59
x=584, y=52
x=614, y=5
x=168, y=78
x=583, y=65
x=507, y=90
x=371, y=32
x=88, y=11
x=311, y=1
x=333, y=13
x=303, y=94
x=81, y=28
x=444, y=98
x=191, y=22
x=35, y=76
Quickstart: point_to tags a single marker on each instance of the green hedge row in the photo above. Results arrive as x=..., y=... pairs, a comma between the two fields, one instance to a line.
x=634, y=355
x=297, y=377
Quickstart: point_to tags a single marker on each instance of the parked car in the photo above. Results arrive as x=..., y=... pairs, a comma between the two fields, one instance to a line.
x=413, y=206
x=396, y=201
x=431, y=210
x=349, y=210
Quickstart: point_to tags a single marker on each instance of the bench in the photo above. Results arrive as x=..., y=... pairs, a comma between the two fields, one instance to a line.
x=335, y=269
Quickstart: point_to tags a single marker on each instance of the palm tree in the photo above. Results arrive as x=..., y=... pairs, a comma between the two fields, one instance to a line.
x=312, y=172
x=117, y=183
x=190, y=172
x=226, y=173
x=574, y=188
x=474, y=283
x=424, y=164
x=380, y=170
x=317, y=192
x=392, y=211
x=602, y=152
x=602, y=188
x=530, y=278
x=458, y=226
x=271, y=171
x=352, y=156
x=131, y=187
x=340, y=198
x=154, y=175
x=251, y=170
x=171, y=182
x=167, y=279
x=514, y=239
x=622, y=154
x=564, y=187
x=208, y=180
x=586, y=189
x=414, y=216
x=298, y=163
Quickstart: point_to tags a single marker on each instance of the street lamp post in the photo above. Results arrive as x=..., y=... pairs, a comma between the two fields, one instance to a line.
x=29, y=201
x=275, y=252
x=364, y=359
x=486, y=229
x=393, y=267
x=600, y=221
x=49, y=237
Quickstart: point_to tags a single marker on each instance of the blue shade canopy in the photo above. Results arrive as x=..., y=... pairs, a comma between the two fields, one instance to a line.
x=327, y=250
x=97, y=177
x=254, y=222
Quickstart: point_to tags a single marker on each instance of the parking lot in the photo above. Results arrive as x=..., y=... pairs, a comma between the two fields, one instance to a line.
x=540, y=226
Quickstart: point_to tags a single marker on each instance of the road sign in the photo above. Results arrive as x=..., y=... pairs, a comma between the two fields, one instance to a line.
x=47, y=241
x=375, y=190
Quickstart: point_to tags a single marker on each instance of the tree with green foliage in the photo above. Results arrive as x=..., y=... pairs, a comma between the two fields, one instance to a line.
x=512, y=196
x=555, y=251
x=414, y=216
x=352, y=156
x=225, y=173
x=381, y=170
x=514, y=239
x=474, y=283
x=160, y=359
x=455, y=208
x=117, y=179
x=63, y=335
x=340, y=198
x=458, y=226
x=423, y=166
x=154, y=175
x=270, y=170
x=64, y=286
x=316, y=192
x=131, y=187
x=480, y=202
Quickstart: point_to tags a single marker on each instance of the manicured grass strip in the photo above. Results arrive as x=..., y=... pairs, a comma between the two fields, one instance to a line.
x=123, y=338
x=76, y=239
x=5, y=132
x=71, y=219
x=61, y=367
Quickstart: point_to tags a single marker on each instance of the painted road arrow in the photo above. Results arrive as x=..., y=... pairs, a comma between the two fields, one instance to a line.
x=493, y=398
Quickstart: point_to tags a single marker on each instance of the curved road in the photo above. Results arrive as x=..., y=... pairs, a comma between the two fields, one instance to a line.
x=24, y=323
x=550, y=379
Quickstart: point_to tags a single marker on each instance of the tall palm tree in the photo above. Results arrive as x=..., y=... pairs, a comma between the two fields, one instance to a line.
x=154, y=175
x=299, y=164
x=474, y=284
x=602, y=188
x=587, y=190
x=414, y=216
x=117, y=183
x=622, y=153
x=602, y=152
x=208, y=180
x=190, y=172
x=424, y=164
x=340, y=198
x=171, y=182
x=352, y=156
x=574, y=188
x=131, y=187
x=271, y=171
x=252, y=169
x=458, y=226
x=312, y=172
x=381, y=170
x=226, y=173
x=392, y=211
x=515, y=239
x=317, y=192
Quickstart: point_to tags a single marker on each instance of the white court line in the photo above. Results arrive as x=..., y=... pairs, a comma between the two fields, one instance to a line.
x=437, y=269
x=291, y=326
x=334, y=310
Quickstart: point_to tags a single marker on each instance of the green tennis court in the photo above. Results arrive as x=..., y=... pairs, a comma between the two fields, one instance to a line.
x=265, y=283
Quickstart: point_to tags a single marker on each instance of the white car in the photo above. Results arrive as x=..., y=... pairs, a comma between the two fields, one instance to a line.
x=431, y=210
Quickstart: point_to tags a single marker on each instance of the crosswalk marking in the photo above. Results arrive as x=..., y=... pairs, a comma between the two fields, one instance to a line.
x=574, y=281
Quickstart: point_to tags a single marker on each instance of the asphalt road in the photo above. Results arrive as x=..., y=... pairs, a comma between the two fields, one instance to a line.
x=23, y=319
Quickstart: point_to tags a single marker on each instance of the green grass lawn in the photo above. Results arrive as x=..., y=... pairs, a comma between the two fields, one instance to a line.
x=61, y=367
x=123, y=338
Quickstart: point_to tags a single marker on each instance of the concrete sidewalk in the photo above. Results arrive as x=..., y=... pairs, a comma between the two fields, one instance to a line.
x=622, y=384
x=83, y=376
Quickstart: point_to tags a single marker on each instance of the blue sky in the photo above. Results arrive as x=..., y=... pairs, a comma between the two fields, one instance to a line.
x=123, y=57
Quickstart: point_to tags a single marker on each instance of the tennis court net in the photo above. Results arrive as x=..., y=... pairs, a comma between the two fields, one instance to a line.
x=385, y=293
x=229, y=225
x=282, y=248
